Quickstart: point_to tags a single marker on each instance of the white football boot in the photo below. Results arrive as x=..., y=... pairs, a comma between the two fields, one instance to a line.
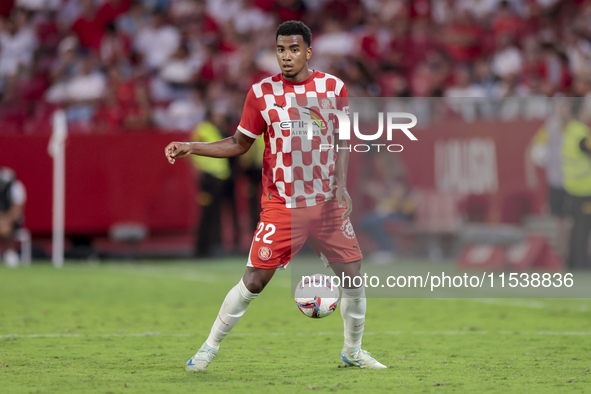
x=357, y=358
x=201, y=360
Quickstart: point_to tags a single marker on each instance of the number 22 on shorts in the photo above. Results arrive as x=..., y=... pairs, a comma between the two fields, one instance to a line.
x=270, y=229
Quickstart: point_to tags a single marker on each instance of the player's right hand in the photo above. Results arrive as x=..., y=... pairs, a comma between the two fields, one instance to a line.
x=177, y=150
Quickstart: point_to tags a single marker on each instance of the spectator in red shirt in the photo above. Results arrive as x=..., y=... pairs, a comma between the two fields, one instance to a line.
x=48, y=31
x=89, y=28
x=420, y=43
x=395, y=58
x=462, y=38
x=139, y=116
x=109, y=114
x=111, y=9
x=124, y=90
x=507, y=22
x=370, y=39
x=532, y=62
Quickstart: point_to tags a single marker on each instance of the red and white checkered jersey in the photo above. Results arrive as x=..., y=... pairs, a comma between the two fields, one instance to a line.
x=296, y=172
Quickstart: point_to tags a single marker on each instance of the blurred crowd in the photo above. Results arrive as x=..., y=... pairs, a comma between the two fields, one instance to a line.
x=145, y=64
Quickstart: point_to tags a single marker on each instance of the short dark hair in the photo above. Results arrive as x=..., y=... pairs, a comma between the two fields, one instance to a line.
x=295, y=28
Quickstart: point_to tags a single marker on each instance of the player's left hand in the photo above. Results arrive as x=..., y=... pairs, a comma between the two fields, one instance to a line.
x=344, y=200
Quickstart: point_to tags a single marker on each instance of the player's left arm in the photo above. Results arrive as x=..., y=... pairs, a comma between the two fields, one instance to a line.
x=342, y=163
x=341, y=167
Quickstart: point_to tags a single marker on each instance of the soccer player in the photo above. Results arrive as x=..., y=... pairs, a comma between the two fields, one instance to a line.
x=305, y=196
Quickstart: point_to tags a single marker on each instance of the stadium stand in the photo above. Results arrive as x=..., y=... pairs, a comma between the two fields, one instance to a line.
x=123, y=64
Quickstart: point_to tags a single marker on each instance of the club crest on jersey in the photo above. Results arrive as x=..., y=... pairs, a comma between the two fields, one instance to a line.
x=325, y=103
x=347, y=229
x=265, y=253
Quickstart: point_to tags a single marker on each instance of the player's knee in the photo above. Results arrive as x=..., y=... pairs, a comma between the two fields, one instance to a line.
x=254, y=284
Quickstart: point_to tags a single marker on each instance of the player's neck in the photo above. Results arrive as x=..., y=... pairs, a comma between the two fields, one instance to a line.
x=301, y=76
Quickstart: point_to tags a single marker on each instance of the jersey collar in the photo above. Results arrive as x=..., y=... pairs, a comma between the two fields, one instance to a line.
x=311, y=77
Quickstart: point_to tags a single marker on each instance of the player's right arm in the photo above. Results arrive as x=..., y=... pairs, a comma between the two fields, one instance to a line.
x=236, y=145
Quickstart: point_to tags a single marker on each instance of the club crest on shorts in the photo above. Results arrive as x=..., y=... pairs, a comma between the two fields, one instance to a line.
x=347, y=229
x=265, y=253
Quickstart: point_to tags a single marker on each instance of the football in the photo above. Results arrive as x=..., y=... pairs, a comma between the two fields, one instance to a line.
x=316, y=296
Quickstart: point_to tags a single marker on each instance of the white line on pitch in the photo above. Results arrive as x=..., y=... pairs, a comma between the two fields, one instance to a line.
x=451, y=332
x=142, y=334
x=320, y=333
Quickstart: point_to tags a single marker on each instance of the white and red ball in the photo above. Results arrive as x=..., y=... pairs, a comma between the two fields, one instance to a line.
x=316, y=296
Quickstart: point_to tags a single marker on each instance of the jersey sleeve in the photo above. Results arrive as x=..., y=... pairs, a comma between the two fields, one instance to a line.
x=252, y=123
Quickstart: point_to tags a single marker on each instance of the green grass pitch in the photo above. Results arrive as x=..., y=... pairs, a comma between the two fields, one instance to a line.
x=127, y=328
